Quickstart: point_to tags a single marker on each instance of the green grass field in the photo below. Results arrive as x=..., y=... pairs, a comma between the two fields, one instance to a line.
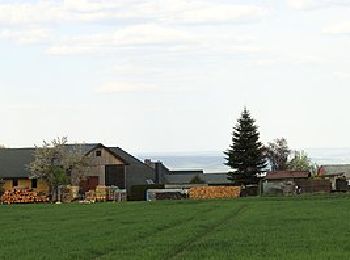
x=254, y=228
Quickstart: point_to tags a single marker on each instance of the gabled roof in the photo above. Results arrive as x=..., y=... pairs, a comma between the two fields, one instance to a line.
x=280, y=175
x=112, y=150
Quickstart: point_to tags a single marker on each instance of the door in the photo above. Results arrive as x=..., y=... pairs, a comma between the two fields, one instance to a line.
x=115, y=175
x=90, y=183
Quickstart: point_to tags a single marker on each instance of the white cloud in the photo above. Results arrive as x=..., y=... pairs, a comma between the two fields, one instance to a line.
x=195, y=11
x=55, y=12
x=129, y=37
x=125, y=87
x=204, y=12
x=153, y=37
x=340, y=28
x=26, y=36
x=341, y=75
x=139, y=23
x=315, y=4
x=290, y=60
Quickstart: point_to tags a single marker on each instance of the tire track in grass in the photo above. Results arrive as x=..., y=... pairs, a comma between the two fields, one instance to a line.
x=184, y=246
x=157, y=230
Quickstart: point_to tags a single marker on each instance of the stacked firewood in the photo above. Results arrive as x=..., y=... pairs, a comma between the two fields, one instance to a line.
x=105, y=193
x=18, y=196
x=214, y=192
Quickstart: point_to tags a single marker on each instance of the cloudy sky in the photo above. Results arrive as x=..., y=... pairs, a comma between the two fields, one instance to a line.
x=169, y=75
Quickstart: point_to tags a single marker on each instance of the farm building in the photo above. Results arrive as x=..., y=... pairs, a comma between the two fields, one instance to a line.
x=290, y=182
x=13, y=171
x=337, y=174
x=110, y=166
x=183, y=177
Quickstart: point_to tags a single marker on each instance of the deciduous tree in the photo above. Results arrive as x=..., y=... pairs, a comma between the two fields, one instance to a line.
x=56, y=160
x=277, y=153
x=300, y=162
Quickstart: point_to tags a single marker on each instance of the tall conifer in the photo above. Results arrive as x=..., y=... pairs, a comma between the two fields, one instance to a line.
x=245, y=155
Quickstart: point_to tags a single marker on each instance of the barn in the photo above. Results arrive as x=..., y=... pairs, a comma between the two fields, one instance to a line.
x=110, y=166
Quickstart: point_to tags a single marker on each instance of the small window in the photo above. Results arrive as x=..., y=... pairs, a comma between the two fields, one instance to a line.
x=14, y=182
x=34, y=183
x=98, y=153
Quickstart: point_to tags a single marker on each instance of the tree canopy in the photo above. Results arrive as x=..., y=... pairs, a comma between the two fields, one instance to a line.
x=55, y=161
x=277, y=153
x=245, y=154
x=301, y=162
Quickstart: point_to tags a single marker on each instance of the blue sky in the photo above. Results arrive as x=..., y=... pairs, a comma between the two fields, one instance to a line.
x=168, y=75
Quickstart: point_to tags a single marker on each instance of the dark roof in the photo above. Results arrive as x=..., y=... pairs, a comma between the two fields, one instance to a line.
x=13, y=162
x=279, y=175
x=186, y=172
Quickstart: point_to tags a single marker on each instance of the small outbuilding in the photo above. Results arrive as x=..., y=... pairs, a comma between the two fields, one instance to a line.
x=283, y=182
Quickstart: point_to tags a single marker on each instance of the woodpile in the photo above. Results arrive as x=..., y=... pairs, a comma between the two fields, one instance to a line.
x=214, y=192
x=66, y=194
x=19, y=196
x=105, y=193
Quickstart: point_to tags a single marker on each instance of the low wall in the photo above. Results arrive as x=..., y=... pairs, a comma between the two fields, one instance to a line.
x=165, y=194
x=311, y=186
x=214, y=192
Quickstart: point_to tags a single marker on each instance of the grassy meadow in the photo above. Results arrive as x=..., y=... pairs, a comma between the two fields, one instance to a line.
x=252, y=228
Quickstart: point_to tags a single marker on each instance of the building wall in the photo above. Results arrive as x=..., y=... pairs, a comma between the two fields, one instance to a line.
x=42, y=185
x=98, y=164
x=278, y=187
x=8, y=185
x=138, y=174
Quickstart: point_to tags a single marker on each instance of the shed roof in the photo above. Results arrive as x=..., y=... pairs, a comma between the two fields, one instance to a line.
x=279, y=175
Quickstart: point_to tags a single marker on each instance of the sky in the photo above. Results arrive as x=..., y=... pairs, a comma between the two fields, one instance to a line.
x=154, y=76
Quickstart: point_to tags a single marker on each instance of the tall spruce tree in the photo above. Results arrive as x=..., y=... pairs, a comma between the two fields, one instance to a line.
x=245, y=155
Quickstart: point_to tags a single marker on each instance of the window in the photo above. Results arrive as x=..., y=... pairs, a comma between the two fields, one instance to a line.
x=98, y=153
x=14, y=182
x=34, y=183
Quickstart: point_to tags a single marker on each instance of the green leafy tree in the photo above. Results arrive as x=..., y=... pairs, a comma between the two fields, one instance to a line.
x=277, y=153
x=55, y=162
x=301, y=162
x=245, y=155
x=197, y=180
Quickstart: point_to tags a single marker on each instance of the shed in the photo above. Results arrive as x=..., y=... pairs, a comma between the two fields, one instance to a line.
x=283, y=182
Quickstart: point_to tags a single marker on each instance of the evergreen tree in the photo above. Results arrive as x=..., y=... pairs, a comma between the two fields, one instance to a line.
x=245, y=155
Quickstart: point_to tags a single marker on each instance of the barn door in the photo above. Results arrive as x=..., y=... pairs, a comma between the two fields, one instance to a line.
x=90, y=183
x=115, y=175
